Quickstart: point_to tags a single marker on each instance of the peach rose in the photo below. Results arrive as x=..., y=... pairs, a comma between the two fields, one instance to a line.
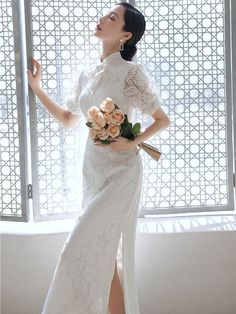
x=93, y=113
x=102, y=134
x=113, y=130
x=107, y=105
x=107, y=117
x=99, y=121
x=117, y=117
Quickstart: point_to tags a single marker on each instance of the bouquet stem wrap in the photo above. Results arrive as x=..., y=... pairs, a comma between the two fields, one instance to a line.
x=151, y=150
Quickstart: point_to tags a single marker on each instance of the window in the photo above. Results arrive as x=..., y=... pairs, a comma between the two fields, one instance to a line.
x=186, y=48
x=12, y=161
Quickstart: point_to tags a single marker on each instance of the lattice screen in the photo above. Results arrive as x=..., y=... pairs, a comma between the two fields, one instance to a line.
x=10, y=191
x=183, y=48
x=63, y=41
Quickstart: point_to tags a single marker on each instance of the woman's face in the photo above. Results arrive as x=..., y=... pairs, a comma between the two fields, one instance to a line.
x=111, y=24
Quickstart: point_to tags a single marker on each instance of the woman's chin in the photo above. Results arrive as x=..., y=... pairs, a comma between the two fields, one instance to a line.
x=95, y=33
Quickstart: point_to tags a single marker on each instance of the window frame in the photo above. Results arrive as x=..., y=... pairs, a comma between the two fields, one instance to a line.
x=27, y=118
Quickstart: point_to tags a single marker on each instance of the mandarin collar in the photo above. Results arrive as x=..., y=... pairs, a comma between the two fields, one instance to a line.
x=101, y=65
x=110, y=58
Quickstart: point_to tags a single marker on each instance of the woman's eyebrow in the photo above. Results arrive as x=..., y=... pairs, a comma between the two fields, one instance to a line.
x=115, y=13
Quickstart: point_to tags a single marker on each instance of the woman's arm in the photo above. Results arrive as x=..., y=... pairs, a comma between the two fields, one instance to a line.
x=161, y=122
x=120, y=143
x=62, y=115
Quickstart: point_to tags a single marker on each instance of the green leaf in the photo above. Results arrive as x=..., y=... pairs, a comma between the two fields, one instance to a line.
x=127, y=131
x=89, y=124
x=105, y=141
x=126, y=119
x=136, y=128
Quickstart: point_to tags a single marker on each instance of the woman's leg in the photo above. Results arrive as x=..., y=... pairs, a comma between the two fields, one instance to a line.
x=116, y=298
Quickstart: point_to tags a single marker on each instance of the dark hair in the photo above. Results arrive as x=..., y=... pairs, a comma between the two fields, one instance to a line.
x=134, y=23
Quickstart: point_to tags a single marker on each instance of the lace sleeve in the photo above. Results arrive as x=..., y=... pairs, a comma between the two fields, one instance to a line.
x=71, y=99
x=141, y=90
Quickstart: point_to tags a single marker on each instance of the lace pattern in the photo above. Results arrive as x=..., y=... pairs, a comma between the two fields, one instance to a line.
x=83, y=274
x=111, y=192
x=141, y=90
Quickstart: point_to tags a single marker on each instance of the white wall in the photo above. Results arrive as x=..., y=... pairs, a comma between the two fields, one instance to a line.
x=187, y=273
x=177, y=273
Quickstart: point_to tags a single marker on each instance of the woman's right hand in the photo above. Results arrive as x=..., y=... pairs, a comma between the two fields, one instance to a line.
x=34, y=79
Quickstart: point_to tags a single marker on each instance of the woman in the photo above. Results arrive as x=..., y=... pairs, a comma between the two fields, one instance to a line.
x=87, y=278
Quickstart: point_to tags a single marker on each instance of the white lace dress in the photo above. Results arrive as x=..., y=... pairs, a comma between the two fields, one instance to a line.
x=112, y=183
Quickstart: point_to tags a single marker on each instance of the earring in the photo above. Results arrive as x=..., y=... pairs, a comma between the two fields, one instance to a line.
x=121, y=45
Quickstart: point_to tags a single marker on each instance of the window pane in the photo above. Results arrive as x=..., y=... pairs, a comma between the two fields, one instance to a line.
x=183, y=48
x=63, y=42
x=10, y=192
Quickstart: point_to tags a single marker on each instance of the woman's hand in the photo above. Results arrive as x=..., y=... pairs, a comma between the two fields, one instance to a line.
x=34, y=79
x=119, y=143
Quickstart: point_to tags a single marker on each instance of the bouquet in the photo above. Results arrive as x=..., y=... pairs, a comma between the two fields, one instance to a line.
x=108, y=122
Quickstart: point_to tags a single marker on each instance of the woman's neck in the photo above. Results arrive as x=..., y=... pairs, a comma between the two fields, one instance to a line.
x=107, y=50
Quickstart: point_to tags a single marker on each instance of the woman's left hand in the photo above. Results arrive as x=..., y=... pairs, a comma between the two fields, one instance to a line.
x=119, y=143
